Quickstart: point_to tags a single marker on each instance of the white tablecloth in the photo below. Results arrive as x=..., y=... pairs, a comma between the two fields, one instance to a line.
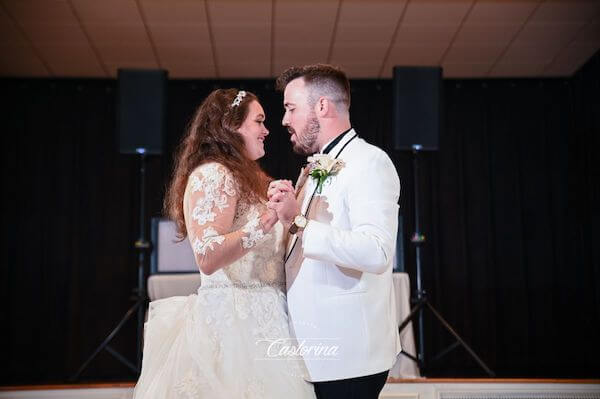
x=177, y=284
x=167, y=285
x=404, y=367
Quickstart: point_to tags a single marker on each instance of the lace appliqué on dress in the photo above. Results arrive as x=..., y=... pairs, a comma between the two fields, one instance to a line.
x=191, y=386
x=255, y=234
x=216, y=184
x=209, y=238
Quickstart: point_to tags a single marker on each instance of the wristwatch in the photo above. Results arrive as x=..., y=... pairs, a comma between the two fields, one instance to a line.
x=299, y=223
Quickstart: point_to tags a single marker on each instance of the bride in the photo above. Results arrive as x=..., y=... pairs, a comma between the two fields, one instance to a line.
x=229, y=340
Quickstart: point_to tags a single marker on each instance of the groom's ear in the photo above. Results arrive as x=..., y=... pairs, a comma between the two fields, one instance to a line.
x=322, y=106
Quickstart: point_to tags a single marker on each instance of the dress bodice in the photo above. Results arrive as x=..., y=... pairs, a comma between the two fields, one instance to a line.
x=224, y=229
x=262, y=265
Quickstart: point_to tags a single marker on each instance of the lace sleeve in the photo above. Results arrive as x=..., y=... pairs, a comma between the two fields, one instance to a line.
x=211, y=201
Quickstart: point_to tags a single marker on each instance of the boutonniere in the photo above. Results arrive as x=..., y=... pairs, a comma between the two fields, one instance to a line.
x=321, y=166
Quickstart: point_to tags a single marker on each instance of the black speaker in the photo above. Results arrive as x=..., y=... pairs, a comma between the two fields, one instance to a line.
x=417, y=107
x=141, y=110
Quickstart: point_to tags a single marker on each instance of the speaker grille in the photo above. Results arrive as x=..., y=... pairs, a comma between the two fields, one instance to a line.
x=141, y=111
x=417, y=107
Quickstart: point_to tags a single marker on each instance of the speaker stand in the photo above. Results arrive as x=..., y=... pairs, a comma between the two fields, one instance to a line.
x=422, y=301
x=139, y=292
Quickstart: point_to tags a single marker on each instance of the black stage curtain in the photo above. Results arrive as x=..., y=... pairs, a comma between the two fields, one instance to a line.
x=509, y=209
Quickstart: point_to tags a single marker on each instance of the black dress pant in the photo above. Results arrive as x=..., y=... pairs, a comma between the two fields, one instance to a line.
x=367, y=387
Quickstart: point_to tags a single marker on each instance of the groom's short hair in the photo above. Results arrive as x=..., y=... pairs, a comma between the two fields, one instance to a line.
x=321, y=80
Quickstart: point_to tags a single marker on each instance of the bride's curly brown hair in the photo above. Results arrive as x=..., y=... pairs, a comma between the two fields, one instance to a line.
x=212, y=136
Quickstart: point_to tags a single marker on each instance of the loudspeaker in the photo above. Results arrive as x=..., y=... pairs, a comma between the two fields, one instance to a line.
x=168, y=254
x=141, y=110
x=417, y=107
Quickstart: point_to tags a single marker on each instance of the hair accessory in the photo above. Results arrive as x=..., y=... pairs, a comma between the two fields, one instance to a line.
x=238, y=99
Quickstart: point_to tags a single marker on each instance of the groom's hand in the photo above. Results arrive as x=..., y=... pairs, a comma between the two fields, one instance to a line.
x=286, y=206
x=279, y=186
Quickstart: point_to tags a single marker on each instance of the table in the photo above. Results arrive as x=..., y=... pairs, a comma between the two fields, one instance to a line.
x=404, y=367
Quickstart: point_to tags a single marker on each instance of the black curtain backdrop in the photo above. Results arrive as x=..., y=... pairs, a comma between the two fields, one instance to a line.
x=510, y=210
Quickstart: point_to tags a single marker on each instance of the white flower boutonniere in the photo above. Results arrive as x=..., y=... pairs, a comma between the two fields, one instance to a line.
x=321, y=166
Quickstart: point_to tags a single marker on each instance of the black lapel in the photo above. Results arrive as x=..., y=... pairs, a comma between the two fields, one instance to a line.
x=313, y=196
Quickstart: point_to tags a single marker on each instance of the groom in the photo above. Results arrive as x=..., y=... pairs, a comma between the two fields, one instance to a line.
x=342, y=236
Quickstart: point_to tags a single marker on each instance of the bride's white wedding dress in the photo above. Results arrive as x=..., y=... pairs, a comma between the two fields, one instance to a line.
x=224, y=341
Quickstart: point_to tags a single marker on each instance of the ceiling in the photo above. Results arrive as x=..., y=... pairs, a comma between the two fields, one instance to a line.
x=260, y=38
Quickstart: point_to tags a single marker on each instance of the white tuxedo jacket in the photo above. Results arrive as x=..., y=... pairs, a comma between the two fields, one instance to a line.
x=339, y=274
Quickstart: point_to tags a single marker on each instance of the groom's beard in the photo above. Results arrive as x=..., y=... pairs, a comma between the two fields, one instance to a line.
x=306, y=143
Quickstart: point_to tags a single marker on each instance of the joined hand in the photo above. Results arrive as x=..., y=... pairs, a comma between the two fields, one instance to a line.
x=282, y=199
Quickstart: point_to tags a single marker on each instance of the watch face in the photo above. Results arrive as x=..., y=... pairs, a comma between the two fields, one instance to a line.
x=300, y=221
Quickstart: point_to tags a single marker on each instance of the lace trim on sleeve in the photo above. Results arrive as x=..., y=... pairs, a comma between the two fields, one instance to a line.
x=209, y=238
x=216, y=186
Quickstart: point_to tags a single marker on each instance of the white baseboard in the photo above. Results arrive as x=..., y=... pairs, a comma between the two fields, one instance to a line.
x=490, y=391
x=83, y=393
x=412, y=390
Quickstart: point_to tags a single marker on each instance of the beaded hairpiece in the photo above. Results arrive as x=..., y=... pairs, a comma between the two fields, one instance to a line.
x=238, y=99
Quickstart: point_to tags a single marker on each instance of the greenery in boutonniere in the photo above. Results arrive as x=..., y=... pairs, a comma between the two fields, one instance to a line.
x=321, y=166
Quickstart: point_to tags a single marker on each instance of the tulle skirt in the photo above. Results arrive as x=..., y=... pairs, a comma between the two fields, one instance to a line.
x=223, y=342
